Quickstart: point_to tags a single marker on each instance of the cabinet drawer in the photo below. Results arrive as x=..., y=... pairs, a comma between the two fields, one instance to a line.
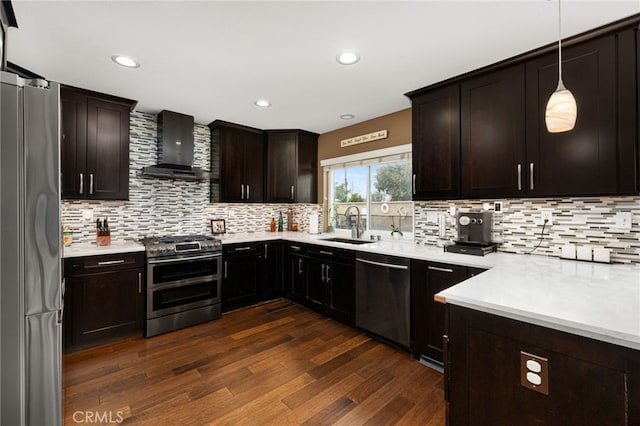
x=297, y=249
x=243, y=249
x=335, y=255
x=106, y=263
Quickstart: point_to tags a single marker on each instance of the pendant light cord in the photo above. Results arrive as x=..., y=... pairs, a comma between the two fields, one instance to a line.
x=560, y=41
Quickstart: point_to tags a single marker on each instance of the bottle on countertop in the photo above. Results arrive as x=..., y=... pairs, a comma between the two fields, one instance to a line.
x=289, y=219
x=273, y=224
x=280, y=222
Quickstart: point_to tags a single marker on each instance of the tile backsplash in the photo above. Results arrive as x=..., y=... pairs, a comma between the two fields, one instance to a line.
x=167, y=207
x=162, y=207
x=580, y=221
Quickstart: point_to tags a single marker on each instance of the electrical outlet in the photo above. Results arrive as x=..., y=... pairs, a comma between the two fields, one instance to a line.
x=432, y=217
x=546, y=215
x=87, y=215
x=497, y=207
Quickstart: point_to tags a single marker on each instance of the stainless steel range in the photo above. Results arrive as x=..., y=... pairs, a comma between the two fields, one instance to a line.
x=183, y=281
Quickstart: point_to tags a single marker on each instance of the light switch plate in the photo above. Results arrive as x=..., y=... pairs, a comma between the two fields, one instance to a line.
x=623, y=221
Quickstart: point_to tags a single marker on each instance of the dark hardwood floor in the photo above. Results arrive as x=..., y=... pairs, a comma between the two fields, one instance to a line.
x=274, y=363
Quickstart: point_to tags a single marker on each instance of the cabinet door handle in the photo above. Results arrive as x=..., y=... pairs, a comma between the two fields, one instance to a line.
x=435, y=268
x=322, y=274
x=81, y=184
x=293, y=191
x=265, y=251
x=242, y=248
x=111, y=262
x=531, y=187
x=90, y=183
x=413, y=184
x=328, y=276
x=247, y=192
x=139, y=282
x=445, y=360
x=226, y=269
x=519, y=177
x=299, y=266
x=241, y=192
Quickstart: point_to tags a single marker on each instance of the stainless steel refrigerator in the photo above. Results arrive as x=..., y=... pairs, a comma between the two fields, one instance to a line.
x=31, y=287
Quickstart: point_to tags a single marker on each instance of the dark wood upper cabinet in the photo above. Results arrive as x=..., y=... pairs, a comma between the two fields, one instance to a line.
x=292, y=159
x=493, y=134
x=597, y=157
x=94, y=145
x=436, y=144
x=242, y=159
x=494, y=142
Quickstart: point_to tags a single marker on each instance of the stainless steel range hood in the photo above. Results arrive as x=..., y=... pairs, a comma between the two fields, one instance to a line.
x=175, y=149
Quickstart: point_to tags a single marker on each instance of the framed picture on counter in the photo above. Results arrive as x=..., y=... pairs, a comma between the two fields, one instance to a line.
x=218, y=226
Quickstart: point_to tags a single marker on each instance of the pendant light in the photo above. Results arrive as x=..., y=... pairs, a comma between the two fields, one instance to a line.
x=562, y=110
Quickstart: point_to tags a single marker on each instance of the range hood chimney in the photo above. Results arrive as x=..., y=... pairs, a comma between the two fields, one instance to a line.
x=175, y=149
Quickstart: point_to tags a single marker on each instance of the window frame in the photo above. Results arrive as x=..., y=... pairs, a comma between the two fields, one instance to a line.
x=369, y=158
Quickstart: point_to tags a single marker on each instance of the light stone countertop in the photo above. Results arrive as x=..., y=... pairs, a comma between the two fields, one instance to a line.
x=593, y=300
x=598, y=301
x=116, y=246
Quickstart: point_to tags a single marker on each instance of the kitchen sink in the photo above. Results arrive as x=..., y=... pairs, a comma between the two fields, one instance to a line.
x=346, y=240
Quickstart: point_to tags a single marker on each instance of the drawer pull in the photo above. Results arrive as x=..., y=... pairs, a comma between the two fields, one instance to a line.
x=242, y=248
x=295, y=248
x=328, y=253
x=111, y=262
x=435, y=268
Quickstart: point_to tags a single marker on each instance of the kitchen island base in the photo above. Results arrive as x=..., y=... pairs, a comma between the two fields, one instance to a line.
x=489, y=378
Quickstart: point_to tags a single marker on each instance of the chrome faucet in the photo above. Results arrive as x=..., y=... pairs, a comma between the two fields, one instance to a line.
x=356, y=230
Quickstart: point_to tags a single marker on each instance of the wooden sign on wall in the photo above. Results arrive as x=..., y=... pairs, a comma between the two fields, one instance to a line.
x=370, y=137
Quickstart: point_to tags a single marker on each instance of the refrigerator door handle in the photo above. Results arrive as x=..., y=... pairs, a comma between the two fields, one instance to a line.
x=61, y=310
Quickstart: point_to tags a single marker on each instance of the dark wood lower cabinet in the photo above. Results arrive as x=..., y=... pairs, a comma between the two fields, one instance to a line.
x=242, y=269
x=251, y=272
x=427, y=315
x=589, y=382
x=323, y=279
x=104, y=298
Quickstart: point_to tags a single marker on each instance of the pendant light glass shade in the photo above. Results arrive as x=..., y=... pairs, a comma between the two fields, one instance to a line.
x=562, y=109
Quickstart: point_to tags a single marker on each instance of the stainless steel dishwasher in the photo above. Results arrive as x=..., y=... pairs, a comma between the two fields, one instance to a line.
x=382, y=296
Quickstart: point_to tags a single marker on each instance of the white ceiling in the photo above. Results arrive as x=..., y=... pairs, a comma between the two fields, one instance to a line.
x=213, y=59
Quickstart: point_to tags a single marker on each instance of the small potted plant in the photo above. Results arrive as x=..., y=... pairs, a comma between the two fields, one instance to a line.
x=395, y=230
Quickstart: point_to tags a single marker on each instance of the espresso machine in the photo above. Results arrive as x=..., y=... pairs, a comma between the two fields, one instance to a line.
x=475, y=229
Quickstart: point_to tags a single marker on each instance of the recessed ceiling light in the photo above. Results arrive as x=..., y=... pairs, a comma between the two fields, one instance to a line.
x=262, y=103
x=125, y=61
x=347, y=58
x=347, y=116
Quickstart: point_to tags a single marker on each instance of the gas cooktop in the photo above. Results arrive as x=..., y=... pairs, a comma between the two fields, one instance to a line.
x=175, y=245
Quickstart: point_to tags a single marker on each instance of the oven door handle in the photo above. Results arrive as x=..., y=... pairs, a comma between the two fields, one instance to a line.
x=182, y=259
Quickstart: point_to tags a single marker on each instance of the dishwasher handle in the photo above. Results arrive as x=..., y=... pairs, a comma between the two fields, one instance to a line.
x=384, y=265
